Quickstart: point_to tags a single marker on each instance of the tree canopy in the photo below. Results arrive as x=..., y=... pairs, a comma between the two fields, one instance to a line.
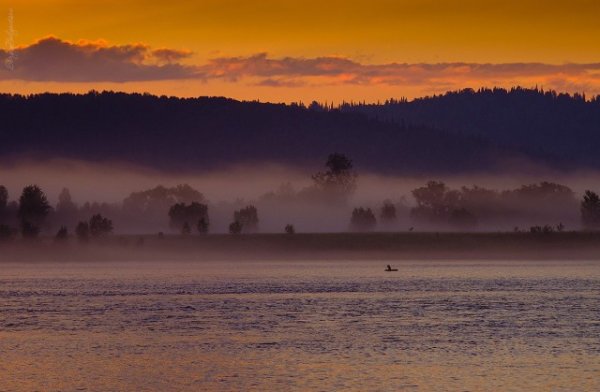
x=590, y=210
x=339, y=180
x=33, y=205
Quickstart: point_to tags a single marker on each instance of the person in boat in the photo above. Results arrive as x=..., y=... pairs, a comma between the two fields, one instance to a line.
x=389, y=268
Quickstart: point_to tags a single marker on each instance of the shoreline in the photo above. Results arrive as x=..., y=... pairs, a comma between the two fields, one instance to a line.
x=335, y=246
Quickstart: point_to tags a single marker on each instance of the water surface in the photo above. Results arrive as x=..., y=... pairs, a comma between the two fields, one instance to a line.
x=318, y=326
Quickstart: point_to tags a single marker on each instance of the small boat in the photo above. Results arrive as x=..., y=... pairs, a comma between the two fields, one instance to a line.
x=390, y=269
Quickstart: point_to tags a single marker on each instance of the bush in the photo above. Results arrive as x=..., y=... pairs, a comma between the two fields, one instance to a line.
x=180, y=213
x=463, y=219
x=33, y=209
x=203, y=225
x=387, y=213
x=29, y=230
x=62, y=234
x=546, y=229
x=289, y=229
x=6, y=233
x=82, y=231
x=235, y=228
x=247, y=218
x=363, y=219
x=100, y=226
x=590, y=210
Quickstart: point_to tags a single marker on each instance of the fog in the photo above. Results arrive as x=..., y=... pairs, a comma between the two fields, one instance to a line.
x=229, y=189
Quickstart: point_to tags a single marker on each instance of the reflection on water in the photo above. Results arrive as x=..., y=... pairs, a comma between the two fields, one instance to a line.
x=300, y=326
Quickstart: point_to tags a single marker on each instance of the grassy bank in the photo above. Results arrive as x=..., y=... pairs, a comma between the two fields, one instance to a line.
x=566, y=245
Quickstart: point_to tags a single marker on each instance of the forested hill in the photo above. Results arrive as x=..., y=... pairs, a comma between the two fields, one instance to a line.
x=204, y=133
x=562, y=125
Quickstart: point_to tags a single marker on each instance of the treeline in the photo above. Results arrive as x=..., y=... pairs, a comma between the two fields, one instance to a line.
x=466, y=209
x=186, y=208
x=537, y=122
x=539, y=207
x=458, y=131
x=203, y=133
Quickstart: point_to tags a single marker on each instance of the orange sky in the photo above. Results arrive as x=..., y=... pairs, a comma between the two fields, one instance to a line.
x=393, y=48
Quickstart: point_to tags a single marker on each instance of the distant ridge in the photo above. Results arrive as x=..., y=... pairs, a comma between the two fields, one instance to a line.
x=458, y=132
x=533, y=121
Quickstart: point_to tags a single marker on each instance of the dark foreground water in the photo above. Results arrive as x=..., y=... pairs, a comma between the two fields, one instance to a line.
x=315, y=326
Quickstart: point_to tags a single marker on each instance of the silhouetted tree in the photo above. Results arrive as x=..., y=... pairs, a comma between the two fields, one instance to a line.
x=180, y=213
x=590, y=210
x=463, y=219
x=29, y=230
x=100, y=226
x=363, y=219
x=543, y=193
x=203, y=225
x=387, y=214
x=546, y=229
x=66, y=210
x=6, y=232
x=285, y=193
x=83, y=231
x=160, y=199
x=235, y=228
x=467, y=207
x=248, y=218
x=3, y=204
x=289, y=229
x=339, y=180
x=434, y=202
x=62, y=234
x=3, y=197
x=33, y=209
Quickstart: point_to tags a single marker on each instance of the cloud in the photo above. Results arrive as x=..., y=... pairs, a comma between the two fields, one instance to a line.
x=339, y=70
x=170, y=55
x=56, y=60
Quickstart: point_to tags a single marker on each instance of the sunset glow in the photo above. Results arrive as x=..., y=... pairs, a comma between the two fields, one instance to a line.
x=281, y=51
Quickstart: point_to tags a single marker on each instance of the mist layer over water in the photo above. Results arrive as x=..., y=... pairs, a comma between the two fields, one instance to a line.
x=307, y=325
x=274, y=191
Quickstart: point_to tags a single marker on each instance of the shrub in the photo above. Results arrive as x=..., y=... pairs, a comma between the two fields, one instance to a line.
x=203, y=225
x=82, y=231
x=100, y=226
x=363, y=219
x=6, y=232
x=62, y=234
x=248, y=218
x=29, y=230
x=235, y=228
x=186, y=229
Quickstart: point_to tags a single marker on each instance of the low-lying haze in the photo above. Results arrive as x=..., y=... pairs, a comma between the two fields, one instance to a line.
x=274, y=189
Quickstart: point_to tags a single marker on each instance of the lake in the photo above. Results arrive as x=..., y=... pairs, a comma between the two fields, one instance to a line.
x=300, y=325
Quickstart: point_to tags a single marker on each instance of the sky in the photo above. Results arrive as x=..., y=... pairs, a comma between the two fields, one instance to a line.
x=289, y=51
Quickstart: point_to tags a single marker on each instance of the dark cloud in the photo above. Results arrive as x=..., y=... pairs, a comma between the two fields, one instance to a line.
x=52, y=59
x=170, y=55
x=342, y=70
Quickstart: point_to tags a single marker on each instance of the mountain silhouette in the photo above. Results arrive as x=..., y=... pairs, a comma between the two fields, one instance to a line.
x=458, y=132
x=536, y=122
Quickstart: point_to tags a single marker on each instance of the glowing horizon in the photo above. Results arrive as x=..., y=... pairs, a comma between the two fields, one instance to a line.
x=300, y=52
